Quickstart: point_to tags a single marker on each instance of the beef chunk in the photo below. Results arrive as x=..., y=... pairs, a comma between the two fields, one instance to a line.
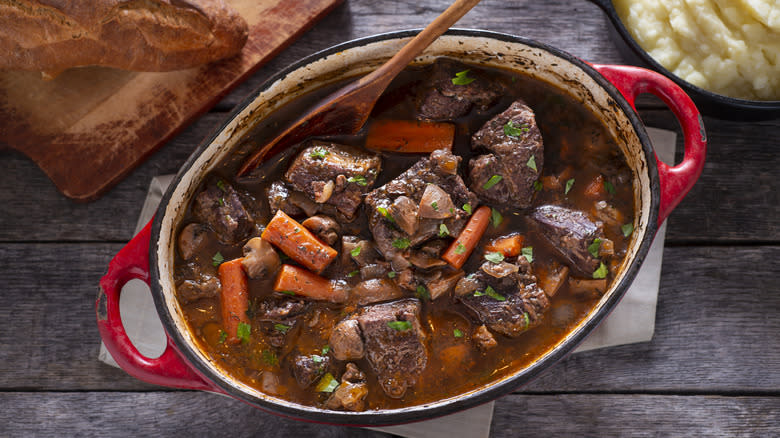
x=334, y=174
x=441, y=99
x=219, y=206
x=509, y=157
x=353, y=374
x=569, y=232
x=280, y=197
x=484, y=339
x=308, y=369
x=347, y=341
x=439, y=169
x=509, y=305
x=394, y=343
x=192, y=290
x=279, y=309
x=349, y=396
x=192, y=239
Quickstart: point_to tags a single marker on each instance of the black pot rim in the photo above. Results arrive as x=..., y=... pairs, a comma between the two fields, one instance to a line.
x=709, y=103
x=457, y=403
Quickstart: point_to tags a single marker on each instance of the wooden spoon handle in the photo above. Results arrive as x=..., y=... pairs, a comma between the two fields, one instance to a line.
x=389, y=70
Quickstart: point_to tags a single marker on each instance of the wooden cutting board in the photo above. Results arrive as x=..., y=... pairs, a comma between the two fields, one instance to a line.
x=89, y=127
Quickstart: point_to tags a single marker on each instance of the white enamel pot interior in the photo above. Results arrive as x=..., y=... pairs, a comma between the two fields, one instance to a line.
x=357, y=58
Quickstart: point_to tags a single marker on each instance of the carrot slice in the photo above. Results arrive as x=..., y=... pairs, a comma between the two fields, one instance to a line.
x=462, y=247
x=234, y=298
x=409, y=136
x=298, y=242
x=302, y=282
x=510, y=245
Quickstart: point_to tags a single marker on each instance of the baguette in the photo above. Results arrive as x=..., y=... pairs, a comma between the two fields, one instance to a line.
x=140, y=35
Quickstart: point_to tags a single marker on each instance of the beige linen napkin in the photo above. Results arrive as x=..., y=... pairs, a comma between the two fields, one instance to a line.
x=632, y=320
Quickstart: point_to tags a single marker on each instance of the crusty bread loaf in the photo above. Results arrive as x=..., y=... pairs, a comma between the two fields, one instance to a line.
x=141, y=35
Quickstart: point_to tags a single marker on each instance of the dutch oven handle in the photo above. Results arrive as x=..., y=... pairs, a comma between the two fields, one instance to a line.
x=169, y=369
x=675, y=181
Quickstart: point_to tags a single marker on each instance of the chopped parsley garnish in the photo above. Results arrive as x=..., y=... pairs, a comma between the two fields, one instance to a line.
x=460, y=249
x=627, y=229
x=358, y=179
x=316, y=358
x=495, y=217
x=489, y=291
x=569, y=184
x=461, y=78
x=457, y=333
x=281, y=328
x=288, y=292
x=399, y=325
x=222, y=336
x=443, y=231
x=296, y=230
x=391, y=274
x=221, y=185
x=467, y=208
x=355, y=251
x=353, y=273
x=532, y=163
x=318, y=153
x=401, y=243
x=495, y=257
x=435, y=206
x=327, y=383
x=495, y=179
x=243, y=331
x=325, y=349
x=538, y=186
x=221, y=202
x=217, y=259
x=609, y=187
x=527, y=319
x=269, y=357
x=512, y=130
x=593, y=248
x=528, y=253
x=423, y=293
x=601, y=272
x=383, y=211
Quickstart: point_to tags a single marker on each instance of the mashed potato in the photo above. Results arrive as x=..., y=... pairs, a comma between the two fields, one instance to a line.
x=730, y=47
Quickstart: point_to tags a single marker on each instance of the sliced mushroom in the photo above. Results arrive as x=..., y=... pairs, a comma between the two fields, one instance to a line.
x=484, y=339
x=587, y=288
x=425, y=261
x=191, y=239
x=322, y=191
x=325, y=227
x=499, y=270
x=346, y=341
x=365, y=255
x=552, y=278
x=467, y=285
x=376, y=290
x=404, y=213
x=260, y=258
x=436, y=203
x=442, y=283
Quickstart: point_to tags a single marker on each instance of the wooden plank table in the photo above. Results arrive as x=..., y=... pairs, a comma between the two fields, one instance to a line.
x=713, y=367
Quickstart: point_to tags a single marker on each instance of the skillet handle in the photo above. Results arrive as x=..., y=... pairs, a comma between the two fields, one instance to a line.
x=675, y=181
x=169, y=369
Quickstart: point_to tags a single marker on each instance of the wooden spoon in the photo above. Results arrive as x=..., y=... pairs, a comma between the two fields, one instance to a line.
x=346, y=110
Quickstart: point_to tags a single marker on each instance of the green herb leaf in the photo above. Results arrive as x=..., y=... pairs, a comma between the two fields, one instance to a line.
x=467, y=208
x=327, y=383
x=569, y=185
x=281, y=328
x=435, y=206
x=353, y=273
x=217, y=259
x=527, y=319
x=593, y=248
x=494, y=257
x=443, y=231
x=221, y=202
x=627, y=229
x=461, y=78
x=532, y=163
x=538, y=186
x=399, y=325
x=423, y=293
x=528, y=253
x=383, y=211
x=318, y=153
x=287, y=292
x=243, y=331
x=316, y=358
x=460, y=249
x=269, y=357
x=221, y=185
x=222, y=336
x=355, y=251
x=489, y=291
x=495, y=217
x=495, y=179
x=457, y=333
x=296, y=230
x=391, y=274
x=401, y=243
x=601, y=272
x=358, y=179
x=609, y=187
x=512, y=130
x=325, y=349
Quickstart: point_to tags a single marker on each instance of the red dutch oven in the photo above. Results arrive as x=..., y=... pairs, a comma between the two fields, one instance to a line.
x=607, y=90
